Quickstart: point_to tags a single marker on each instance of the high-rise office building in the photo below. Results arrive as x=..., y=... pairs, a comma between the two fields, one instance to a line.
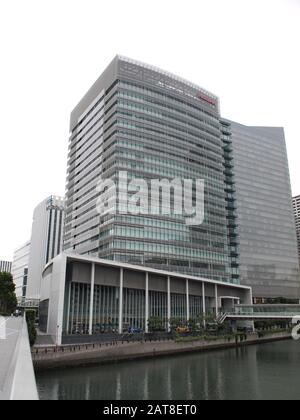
x=5, y=266
x=268, y=247
x=46, y=241
x=153, y=125
x=20, y=269
x=296, y=208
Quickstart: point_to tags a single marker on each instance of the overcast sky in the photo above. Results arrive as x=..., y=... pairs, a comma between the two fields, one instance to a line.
x=244, y=51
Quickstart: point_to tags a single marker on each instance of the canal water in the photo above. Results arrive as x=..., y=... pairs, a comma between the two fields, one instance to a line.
x=266, y=371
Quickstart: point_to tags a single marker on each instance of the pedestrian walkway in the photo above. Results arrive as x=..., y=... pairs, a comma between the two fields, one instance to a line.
x=17, y=380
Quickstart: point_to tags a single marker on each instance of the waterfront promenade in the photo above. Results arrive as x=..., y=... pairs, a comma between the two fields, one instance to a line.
x=17, y=379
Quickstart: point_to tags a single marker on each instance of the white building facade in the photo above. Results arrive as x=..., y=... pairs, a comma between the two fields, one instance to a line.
x=46, y=241
x=83, y=295
x=5, y=266
x=20, y=269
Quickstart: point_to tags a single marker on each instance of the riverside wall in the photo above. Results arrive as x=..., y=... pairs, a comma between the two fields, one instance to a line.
x=82, y=355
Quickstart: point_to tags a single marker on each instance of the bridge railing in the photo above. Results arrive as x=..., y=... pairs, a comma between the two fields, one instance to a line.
x=28, y=303
x=267, y=309
x=265, y=314
x=264, y=311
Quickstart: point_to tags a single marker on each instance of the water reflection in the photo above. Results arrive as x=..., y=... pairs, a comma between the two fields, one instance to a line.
x=268, y=371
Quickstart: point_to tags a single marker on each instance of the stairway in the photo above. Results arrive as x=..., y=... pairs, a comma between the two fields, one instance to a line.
x=221, y=317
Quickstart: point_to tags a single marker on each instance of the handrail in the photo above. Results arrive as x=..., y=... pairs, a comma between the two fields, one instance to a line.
x=263, y=314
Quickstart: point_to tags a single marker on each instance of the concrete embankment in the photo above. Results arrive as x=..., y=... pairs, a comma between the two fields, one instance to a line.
x=71, y=356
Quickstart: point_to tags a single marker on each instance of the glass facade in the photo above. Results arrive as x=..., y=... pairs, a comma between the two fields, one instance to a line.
x=78, y=315
x=230, y=189
x=268, y=247
x=133, y=308
x=106, y=308
x=158, y=303
x=152, y=125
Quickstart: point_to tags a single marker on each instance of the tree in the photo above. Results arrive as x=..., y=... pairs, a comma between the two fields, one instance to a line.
x=176, y=322
x=193, y=325
x=155, y=324
x=30, y=318
x=8, y=300
x=208, y=318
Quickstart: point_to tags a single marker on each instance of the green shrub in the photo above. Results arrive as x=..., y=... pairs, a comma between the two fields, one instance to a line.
x=30, y=319
x=155, y=324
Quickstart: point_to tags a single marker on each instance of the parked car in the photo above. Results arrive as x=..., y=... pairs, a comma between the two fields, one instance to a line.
x=182, y=330
x=134, y=330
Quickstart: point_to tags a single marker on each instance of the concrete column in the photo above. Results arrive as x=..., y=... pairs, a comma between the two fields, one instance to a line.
x=146, y=302
x=92, y=299
x=217, y=300
x=121, y=301
x=251, y=296
x=187, y=301
x=169, y=303
x=203, y=304
x=68, y=310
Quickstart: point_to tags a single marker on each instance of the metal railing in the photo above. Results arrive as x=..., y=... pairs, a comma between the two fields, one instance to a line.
x=265, y=311
x=28, y=303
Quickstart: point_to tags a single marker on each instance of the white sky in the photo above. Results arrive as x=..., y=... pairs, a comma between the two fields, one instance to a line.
x=245, y=51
